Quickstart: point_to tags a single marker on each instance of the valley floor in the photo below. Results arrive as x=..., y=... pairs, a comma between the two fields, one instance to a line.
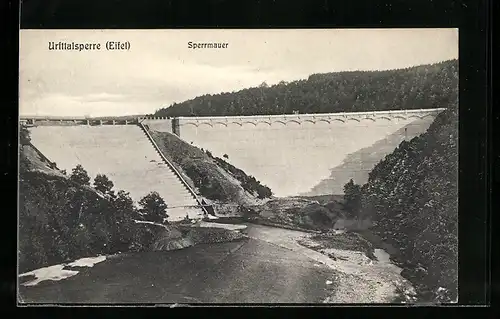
x=271, y=265
x=356, y=277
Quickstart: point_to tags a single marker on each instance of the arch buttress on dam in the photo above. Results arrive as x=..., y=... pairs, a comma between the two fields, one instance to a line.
x=304, y=154
x=124, y=153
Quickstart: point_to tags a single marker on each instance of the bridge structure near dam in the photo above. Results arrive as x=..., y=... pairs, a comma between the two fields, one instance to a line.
x=71, y=120
x=293, y=154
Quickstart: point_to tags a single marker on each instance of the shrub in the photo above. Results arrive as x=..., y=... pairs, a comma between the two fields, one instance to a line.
x=352, y=198
x=142, y=238
x=24, y=163
x=208, y=185
x=24, y=135
x=263, y=192
x=211, y=188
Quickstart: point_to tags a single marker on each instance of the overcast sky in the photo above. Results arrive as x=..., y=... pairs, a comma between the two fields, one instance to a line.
x=160, y=69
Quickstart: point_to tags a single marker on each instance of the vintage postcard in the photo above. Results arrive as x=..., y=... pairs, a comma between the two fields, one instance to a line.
x=238, y=166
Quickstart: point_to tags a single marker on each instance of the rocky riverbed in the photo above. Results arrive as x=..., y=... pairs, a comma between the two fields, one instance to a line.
x=361, y=275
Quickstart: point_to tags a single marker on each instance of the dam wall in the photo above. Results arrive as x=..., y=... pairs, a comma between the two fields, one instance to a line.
x=124, y=154
x=306, y=154
x=293, y=154
x=358, y=164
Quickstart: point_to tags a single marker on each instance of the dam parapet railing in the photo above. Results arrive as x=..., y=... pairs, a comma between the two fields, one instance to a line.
x=76, y=121
x=313, y=118
x=60, y=120
x=224, y=120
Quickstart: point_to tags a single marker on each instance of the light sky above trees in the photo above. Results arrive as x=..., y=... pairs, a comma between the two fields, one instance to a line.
x=160, y=69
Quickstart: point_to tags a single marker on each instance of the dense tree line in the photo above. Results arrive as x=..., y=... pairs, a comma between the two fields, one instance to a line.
x=64, y=218
x=412, y=196
x=59, y=220
x=425, y=86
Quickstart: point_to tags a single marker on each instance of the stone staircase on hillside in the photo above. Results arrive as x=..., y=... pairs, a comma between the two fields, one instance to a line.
x=182, y=199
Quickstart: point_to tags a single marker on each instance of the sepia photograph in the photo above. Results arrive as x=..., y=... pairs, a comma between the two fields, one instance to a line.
x=238, y=166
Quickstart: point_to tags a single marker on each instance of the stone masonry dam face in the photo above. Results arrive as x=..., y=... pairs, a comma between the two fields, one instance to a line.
x=299, y=154
x=124, y=154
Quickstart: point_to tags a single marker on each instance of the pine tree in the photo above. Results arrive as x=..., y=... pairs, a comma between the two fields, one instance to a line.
x=80, y=175
x=153, y=207
x=103, y=184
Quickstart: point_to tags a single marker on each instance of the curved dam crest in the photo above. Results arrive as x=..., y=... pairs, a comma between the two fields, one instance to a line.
x=305, y=154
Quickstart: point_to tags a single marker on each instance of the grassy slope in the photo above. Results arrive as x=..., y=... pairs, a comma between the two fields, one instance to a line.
x=249, y=183
x=202, y=171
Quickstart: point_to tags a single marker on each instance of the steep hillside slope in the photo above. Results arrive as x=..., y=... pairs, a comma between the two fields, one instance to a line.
x=425, y=86
x=34, y=160
x=215, y=180
x=61, y=220
x=412, y=196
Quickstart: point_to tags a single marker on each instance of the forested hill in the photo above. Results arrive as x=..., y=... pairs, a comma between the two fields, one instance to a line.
x=412, y=197
x=425, y=86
